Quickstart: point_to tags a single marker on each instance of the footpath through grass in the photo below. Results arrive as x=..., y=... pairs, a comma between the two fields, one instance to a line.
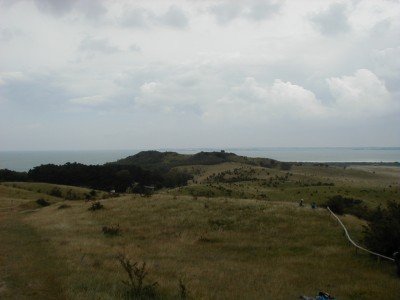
x=28, y=269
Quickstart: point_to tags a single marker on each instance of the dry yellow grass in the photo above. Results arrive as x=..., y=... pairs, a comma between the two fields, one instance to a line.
x=221, y=248
x=374, y=185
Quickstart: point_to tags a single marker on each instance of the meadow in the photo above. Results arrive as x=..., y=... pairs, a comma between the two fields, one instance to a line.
x=235, y=232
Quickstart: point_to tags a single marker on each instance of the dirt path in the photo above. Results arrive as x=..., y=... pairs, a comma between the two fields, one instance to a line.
x=28, y=268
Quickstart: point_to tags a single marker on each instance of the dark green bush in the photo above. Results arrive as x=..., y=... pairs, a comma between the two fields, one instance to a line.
x=383, y=231
x=341, y=205
x=42, y=202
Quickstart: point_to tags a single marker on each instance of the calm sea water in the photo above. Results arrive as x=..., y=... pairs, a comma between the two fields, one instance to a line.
x=25, y=160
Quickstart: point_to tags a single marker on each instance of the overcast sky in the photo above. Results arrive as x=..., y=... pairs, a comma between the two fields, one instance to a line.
x=89, y=74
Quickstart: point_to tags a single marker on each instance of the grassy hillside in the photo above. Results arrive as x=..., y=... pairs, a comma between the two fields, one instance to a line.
x=374, y=185
x=167, y=160
x=221, y=248
x=24, y=195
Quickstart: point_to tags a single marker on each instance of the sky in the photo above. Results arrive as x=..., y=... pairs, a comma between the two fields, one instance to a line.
x=86, y=74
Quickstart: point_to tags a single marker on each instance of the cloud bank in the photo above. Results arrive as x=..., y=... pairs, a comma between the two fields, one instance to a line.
x=156, y=74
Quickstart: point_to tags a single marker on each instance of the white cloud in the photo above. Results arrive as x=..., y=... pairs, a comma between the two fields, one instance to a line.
x=255, y=102
x=361, y=94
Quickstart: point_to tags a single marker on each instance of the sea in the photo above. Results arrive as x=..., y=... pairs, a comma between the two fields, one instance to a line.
x=26, y=160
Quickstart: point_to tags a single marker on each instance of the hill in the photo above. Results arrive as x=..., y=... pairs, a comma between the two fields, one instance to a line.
x=168, y=160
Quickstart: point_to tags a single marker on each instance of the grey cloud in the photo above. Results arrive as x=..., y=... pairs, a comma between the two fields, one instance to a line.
x=90, y=8
x=7, y=34
x=134, y=48
x=102, y=45
x=34, y=92
x=174, y=17
x=137, y=17
x=332, y=21
x=258, y=10
x=141, y=18
x=225, y=12
x=58, y=8
x=261, y=10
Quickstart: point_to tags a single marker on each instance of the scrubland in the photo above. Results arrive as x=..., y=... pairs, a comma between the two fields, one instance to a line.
x=235, y=232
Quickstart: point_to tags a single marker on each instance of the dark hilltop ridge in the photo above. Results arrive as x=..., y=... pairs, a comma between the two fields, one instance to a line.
x=166, y=160
x=146, y=168
x=134, y=173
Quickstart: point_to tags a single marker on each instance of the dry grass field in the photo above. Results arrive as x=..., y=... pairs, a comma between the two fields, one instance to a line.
x=373, y=184
x=219, y=246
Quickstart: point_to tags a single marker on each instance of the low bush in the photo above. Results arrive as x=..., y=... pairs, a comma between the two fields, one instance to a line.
x=341, y=205
x=42, y=202
x=111, y=230
x=96, y=206
x=220, y=224
x=56, y=192
x=71, y=195
x=137, y=288
x=183, y=294
x=63, y=206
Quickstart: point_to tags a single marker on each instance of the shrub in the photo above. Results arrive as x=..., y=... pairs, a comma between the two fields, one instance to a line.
x=342, y=205
x=93, y=193
x=56, y=192
x=383, y=231
x=182, y=290
x=70, y=195
x=63, y=206
x=42, y=202
x=137, y=288
x=285, y=166
x=111, y=230
x=220, y=224
x=96, y=206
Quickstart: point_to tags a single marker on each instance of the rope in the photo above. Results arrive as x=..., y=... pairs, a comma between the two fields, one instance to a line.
x=353, y=243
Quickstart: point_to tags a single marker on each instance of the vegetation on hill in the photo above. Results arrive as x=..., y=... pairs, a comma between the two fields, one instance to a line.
x=168, y=160
x=382, y=234
x=9, y=175
x=383, y=231
x=106, y=177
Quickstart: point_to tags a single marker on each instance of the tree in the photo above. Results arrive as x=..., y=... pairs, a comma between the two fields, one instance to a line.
x=383, y=231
